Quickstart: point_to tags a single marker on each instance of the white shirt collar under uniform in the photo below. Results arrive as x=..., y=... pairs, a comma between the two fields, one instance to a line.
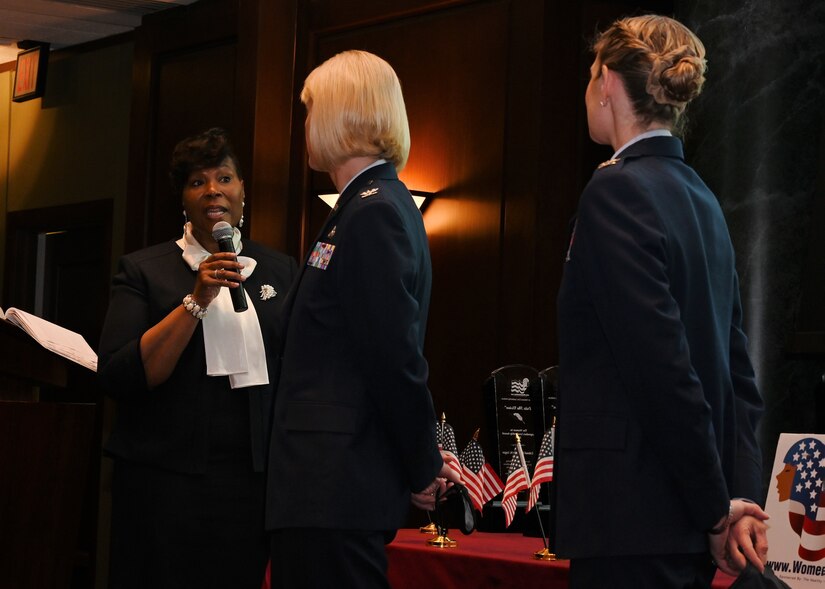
x=377, y=162
x=645, y=135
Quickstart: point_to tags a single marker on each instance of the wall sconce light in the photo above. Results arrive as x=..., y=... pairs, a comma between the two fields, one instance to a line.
x=420, y=198
x=330, y=199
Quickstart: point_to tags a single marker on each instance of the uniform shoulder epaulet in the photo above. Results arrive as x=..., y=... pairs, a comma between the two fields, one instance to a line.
x=610, y=162
x=372, y=191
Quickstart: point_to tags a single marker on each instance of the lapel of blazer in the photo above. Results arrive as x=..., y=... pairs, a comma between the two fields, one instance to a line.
x=255, y=280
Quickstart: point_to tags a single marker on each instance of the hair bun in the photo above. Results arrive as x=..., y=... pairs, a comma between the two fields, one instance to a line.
x=677, y=77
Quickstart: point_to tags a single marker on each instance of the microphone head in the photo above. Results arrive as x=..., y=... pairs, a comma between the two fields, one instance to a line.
x=222, y=230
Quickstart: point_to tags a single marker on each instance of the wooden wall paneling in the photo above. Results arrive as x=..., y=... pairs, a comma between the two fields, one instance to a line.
x=452, y=63
x=184, y=81
x=563, y=131
x=195, y=90
x=518, y=331
x=266, y=69
x=332, y=15
x=222, y=63
x=494, y=91
x=300, y=200
x=75, y=290
x=567, y=156
x=77, y=287
x=137, y=183
x=44, y=457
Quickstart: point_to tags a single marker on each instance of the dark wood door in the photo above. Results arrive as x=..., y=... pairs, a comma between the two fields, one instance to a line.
x=57, y=267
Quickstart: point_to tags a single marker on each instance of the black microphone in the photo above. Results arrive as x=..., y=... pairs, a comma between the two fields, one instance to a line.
x=222, y=232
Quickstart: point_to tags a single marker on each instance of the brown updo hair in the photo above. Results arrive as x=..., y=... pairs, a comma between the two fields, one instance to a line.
x=199, y=152
x=661, y=62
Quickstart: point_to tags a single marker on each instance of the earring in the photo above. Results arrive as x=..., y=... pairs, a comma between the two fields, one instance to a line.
x=240, y=223
x=602, y=103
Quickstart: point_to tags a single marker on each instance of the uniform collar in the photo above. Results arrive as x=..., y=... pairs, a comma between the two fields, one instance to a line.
x=641, y=136
x=667, y=146
x=658, y=145
x=374, y=164
x=377, y=171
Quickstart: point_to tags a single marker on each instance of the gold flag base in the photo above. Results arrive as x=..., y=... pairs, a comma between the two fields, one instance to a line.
x=442, y=542
x=428, y=529
x=544, y=554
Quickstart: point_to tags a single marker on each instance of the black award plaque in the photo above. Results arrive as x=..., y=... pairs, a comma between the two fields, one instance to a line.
x=513, y=407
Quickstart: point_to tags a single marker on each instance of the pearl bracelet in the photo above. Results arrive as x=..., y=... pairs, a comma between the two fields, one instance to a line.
x=194, y=309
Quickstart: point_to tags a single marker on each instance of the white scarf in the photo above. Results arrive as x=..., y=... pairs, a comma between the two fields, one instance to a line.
x=233, y=341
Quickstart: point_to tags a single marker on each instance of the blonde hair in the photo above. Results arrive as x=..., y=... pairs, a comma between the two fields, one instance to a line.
x=357, y=109
x=661, y=62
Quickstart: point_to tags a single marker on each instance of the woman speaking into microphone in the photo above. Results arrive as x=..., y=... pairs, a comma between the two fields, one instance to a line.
x=193, y=384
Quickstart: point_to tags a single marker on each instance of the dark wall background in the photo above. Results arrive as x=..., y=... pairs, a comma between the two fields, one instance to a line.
x=757, y=139
x=494, y=90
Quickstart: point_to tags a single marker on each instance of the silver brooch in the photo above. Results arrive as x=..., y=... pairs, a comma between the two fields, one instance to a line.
x=267, y=292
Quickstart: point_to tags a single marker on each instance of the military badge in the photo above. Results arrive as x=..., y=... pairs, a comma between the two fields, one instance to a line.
x=369, y=192
x=610, y=162
x=321, y=255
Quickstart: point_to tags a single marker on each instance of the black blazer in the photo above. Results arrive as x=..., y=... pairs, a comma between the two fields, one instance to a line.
x=166, y=427
x=657, y=404
x=354, y=426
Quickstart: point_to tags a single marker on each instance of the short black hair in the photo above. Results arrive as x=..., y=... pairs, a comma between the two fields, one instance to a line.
x=205, y=150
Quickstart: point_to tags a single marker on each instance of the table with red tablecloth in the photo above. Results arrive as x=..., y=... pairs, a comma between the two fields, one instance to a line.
x=480, y=560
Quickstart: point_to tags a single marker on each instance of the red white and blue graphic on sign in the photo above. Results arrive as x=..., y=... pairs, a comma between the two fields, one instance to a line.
x=796, y=506
x=803, y=476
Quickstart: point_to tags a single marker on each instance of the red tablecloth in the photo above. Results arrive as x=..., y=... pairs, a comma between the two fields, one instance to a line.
x=480, y=560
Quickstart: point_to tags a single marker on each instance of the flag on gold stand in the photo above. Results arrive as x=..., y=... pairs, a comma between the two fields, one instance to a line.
x=478, y=476
x=543, y=473
x=516, y=482
x=445, y=437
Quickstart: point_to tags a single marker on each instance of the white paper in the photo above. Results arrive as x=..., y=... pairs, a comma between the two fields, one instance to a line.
x=58, y=339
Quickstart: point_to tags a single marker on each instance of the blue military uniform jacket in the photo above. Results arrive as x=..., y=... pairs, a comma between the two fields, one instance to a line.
x=354, y=425
x=658, y=404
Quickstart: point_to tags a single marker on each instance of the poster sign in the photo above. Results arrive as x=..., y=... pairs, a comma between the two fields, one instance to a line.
x=796, y=504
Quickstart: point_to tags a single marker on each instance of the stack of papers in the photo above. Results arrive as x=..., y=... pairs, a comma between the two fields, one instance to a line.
x=58, y=339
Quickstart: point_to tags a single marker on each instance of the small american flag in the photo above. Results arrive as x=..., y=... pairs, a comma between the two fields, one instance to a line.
x=478, y=476
x=516, y=482
x=492, y=484
x=543, y=472
x=445, y=437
